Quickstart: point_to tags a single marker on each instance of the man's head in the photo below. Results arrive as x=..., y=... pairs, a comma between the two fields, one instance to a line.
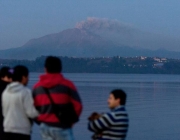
x=117, y=97
x=5, y=74
x=53, y=65
x=20, y=74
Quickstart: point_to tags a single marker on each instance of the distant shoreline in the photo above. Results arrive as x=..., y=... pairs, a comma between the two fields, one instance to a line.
x=111, y=65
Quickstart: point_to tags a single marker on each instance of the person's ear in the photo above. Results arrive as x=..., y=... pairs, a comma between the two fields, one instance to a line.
x=119, y=101
x=23, y=80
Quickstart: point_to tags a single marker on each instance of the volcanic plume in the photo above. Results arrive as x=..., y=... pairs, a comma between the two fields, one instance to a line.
x=125, y=34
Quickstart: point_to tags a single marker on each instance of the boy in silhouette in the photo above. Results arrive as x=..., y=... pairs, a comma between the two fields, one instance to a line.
x=5, y=79
x=18, y=107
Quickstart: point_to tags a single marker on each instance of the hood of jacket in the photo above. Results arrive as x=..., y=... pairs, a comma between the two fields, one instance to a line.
x=14, y=87
x=50, y=80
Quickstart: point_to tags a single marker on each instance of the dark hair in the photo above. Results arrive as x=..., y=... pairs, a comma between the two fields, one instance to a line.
x=5, y=71
x=53, y=64
x=19, y=72
x=119, y=94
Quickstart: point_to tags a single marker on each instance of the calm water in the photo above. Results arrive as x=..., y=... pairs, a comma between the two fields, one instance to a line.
x=153, y=103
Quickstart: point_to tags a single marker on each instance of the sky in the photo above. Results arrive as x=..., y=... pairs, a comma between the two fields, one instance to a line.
x=23, y=20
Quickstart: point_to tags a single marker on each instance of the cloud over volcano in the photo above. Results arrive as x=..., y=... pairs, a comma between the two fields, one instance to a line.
x=93, y=23
x=125, y=34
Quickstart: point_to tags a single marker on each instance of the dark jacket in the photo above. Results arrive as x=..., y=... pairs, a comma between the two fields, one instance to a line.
x=3, y=85
x=62, y=91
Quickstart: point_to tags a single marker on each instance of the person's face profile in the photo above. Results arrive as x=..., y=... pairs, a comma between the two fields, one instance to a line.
x=112, y=102
x=7, y=79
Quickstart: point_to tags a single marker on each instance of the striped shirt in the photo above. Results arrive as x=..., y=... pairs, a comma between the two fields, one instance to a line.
x=111, y=126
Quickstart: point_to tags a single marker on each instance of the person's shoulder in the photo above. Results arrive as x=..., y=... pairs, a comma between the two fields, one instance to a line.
x=69, y=83
x=36, y=85
x=113, y=114
x=121, y=109
x=108, y=115
x=3, y=85
x=27, y=90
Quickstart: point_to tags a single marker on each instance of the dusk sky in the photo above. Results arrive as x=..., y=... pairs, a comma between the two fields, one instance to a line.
x=23, y=20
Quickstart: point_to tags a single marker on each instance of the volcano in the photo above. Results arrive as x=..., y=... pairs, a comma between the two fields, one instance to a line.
x=77, y=42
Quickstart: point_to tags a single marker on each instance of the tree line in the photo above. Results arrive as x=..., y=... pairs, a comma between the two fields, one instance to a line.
x=115, y=64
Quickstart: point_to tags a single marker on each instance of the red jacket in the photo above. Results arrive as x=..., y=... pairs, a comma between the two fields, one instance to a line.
x=62, y=91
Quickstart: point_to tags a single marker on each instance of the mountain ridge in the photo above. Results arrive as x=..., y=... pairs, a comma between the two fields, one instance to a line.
x=76, y=42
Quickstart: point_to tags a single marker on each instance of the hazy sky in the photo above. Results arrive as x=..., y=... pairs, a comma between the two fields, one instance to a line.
x=22, y=20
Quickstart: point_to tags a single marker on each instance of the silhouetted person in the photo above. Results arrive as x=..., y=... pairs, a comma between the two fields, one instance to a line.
x=18, y=108
x=5, y=79
x=55, y=98
x=112, y=125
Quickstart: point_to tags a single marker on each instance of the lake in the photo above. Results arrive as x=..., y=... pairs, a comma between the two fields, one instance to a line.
x=153, y=103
